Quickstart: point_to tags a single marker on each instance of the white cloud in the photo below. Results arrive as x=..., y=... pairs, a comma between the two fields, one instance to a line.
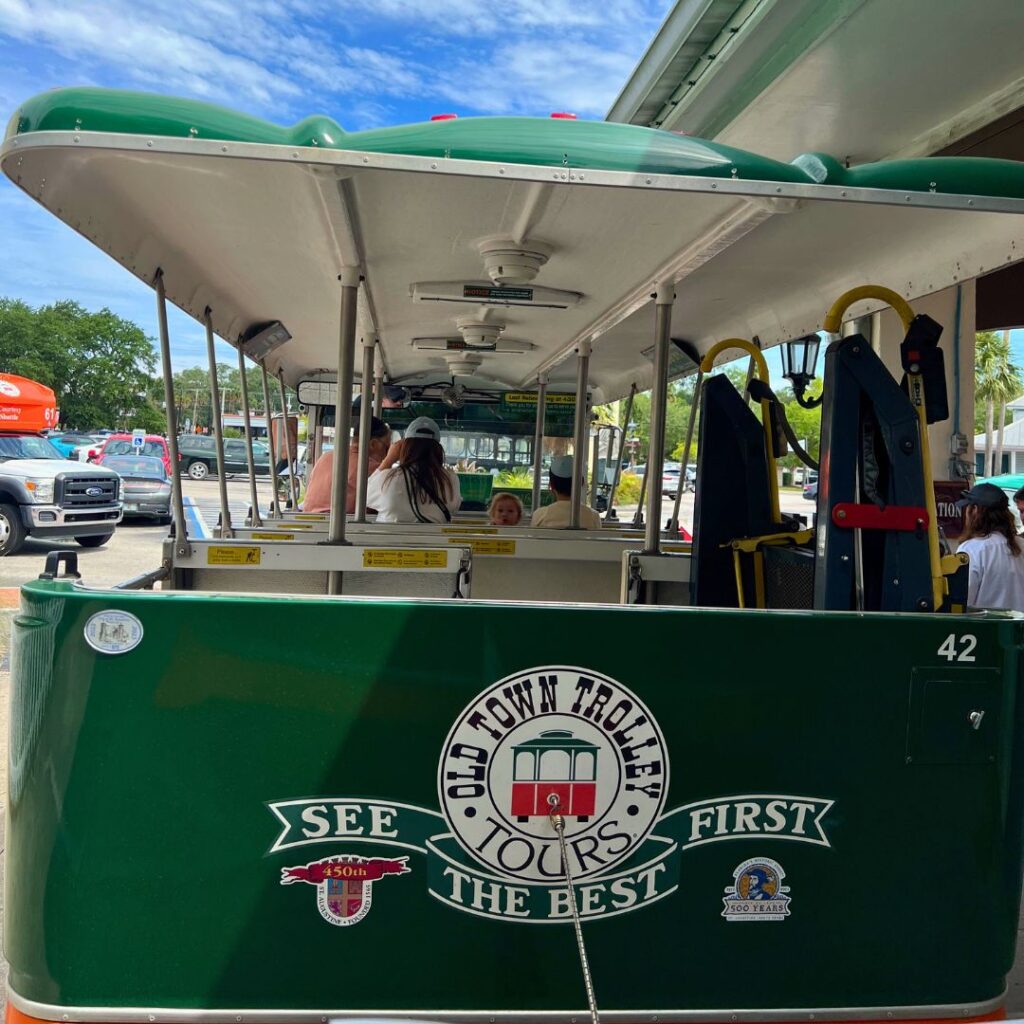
x=284, y=59
x=365, y=62
x=532, y=77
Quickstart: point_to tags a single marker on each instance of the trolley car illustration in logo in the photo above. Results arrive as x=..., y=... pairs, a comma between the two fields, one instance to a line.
x=555, y=762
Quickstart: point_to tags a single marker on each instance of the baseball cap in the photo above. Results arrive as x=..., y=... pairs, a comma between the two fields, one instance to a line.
x=423, y=426
x=561, y=466
x=986, y=495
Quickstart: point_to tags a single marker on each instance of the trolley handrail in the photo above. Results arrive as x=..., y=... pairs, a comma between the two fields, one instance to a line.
x=834, y=317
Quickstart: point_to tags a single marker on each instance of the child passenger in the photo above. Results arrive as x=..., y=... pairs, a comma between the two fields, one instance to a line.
x=505, y=509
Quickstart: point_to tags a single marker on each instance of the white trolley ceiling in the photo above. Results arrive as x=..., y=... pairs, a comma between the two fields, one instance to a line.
x=261, y=232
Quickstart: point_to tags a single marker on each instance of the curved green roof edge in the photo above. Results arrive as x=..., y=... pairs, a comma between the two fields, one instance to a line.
x=598, y=145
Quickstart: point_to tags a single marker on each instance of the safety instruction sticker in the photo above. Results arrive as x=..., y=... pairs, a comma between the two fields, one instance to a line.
x=486, y=545
x=272, y=536
x=234, y=555
x=530, y=398
x=319, y=516
x=469, y=529
x=403, y=558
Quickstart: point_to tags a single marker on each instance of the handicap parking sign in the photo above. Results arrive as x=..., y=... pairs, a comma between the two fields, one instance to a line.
x=138, y=439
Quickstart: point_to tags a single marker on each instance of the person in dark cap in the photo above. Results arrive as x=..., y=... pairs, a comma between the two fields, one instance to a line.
x=394, y=398
x=990, y=541
x=321, y=480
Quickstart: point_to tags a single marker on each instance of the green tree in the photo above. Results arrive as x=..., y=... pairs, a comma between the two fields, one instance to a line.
x=997, y=381
x=98, y=364
x=677, y=414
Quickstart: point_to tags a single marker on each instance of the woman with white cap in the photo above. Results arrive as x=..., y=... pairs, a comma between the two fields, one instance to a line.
x=996, y=553
x=557, y=516
x=412, y=483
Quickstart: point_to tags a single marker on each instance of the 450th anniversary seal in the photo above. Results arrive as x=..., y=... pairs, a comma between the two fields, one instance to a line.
x=552, y=732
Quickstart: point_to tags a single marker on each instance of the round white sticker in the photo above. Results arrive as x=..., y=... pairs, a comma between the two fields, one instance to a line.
x=8, y=389
x=553, y=736
x=113, y=632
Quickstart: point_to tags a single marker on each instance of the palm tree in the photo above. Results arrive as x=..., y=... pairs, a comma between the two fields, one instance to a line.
x=1007, y=385
x=988, y=357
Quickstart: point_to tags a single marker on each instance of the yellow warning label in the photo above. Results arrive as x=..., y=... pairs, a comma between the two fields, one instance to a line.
x=461, y=530
x=319, y=516
x=486, y=546
x=403, y=558
x=218, y=555
x=272, y=536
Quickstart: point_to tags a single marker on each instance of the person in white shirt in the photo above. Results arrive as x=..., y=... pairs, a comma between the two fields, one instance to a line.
x=556, y=516
x=996, y=553
x=412, y=483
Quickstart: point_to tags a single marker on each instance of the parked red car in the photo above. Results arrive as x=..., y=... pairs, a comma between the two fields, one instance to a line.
x=121, y=444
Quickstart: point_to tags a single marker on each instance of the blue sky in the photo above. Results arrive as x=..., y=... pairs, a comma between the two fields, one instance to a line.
x=363, y=62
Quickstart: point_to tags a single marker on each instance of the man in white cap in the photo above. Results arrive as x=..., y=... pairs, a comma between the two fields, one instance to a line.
x=557, y=515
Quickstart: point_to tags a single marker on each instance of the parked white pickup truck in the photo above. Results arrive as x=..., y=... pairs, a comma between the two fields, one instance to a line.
x=43, y=494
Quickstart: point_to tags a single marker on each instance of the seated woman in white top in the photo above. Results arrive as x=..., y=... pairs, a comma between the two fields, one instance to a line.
x=412, y=483
x=996, y=553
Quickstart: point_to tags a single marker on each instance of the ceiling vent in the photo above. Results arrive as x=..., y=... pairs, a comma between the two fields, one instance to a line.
x=478, y=333
x=464, y=364
x=508, y=262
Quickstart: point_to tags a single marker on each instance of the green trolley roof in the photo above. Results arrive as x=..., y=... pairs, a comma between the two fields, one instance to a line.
x=256, y=221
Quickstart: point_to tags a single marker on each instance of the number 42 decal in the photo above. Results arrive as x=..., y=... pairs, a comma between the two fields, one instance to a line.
x=955, y=648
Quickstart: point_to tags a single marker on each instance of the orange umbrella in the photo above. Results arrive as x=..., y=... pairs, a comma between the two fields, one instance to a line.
x=26, y=405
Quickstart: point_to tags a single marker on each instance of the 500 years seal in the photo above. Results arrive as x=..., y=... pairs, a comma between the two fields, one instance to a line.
x=560, y=730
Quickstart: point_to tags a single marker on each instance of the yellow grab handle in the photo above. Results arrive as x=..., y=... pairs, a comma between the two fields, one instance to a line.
x=834, y=317
x=707, y=364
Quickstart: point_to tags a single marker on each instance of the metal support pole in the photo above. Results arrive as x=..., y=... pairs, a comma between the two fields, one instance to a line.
x=663, y=300
x=673, y=526
x=538, y=438
x=181, y=544
x=618, y=454
x=217, y=410
x=314, y=440
x=343, y=414
x=378, y=389
x=595, y=458
x=254, y=497
x=275, y=506
x=582, y=425
x=638, y=515
x=293, y=484
x=365, y=407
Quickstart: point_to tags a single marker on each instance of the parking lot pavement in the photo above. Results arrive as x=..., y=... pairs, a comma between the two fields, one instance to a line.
x=135, y=547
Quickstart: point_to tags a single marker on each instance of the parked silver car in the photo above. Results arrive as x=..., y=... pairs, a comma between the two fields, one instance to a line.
x=145, y=489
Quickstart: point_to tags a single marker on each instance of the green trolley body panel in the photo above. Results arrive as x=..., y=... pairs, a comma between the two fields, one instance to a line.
x=246, y=803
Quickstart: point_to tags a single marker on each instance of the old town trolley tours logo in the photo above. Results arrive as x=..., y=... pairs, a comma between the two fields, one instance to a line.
x=565, y=732
x=557, y=732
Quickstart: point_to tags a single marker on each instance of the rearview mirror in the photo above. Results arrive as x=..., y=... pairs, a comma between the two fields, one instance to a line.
x=317, y=392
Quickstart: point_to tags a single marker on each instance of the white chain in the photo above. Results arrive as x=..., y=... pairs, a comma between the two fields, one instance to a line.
x=558, y=823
